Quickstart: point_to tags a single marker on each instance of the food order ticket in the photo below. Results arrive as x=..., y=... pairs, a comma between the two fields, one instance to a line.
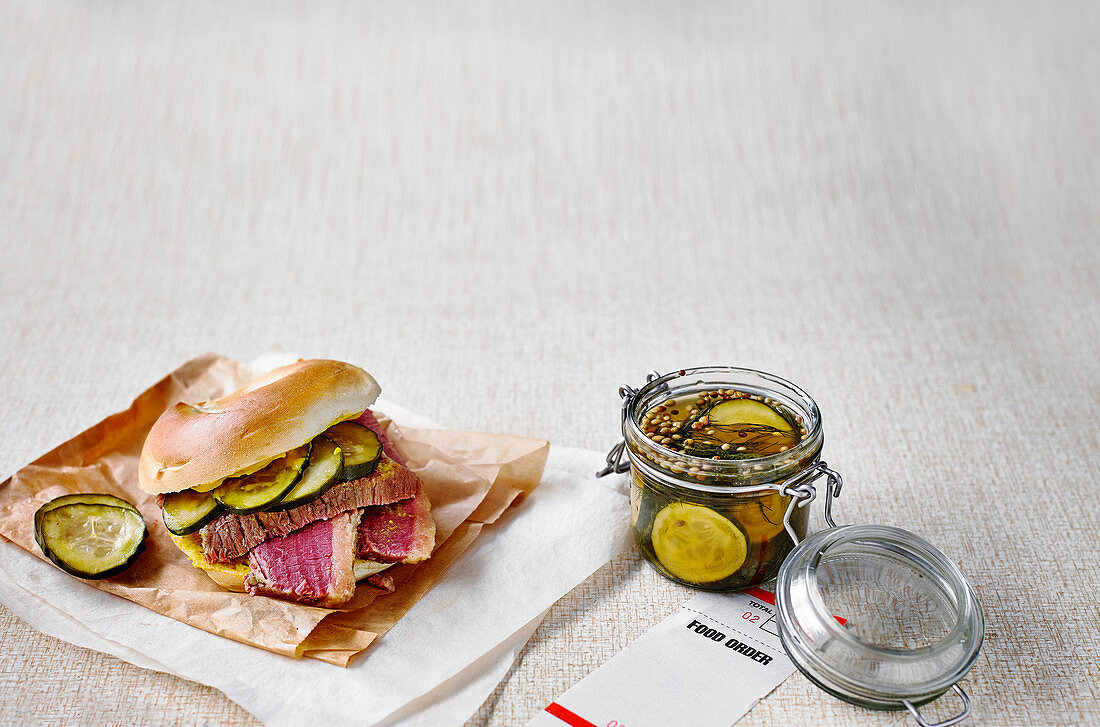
x=705, y=665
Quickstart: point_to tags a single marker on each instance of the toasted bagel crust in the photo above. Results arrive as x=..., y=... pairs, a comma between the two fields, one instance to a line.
x=195, y=445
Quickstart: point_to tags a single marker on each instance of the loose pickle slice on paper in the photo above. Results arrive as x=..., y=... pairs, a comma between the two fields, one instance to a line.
x=91, y=540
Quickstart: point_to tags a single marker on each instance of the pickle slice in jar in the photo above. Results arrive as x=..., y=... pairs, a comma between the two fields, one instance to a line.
x=644, y=506
x=761, y=518
x=747, y=411
x=696, y=544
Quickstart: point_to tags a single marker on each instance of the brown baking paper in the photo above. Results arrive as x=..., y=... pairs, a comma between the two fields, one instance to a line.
x=470, y=479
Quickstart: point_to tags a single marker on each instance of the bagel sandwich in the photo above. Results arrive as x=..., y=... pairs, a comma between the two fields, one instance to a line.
x=288, y=486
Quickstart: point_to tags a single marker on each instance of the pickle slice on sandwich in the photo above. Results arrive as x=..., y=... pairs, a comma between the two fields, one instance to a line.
x=264, y=489
x=361, y=447
x=325, y=469
x=187, y=511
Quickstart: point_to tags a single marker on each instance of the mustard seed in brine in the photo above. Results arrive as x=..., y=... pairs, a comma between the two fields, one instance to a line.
x=708, y=425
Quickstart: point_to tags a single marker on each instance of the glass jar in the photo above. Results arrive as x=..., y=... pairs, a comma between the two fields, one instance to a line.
x=872, y=614
x=748, y=513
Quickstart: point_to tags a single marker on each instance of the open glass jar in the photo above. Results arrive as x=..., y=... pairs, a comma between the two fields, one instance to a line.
x=722, y=464
x=722, y=511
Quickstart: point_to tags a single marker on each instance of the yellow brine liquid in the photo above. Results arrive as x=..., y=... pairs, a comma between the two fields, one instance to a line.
x=723, y=425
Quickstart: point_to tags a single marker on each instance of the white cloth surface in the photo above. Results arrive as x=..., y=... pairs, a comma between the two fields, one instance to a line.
x=505, y=211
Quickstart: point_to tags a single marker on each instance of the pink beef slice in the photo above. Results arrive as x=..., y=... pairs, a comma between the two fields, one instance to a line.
x=232, y=536
x=402, y=532
x=383, y=581
x=368, y=420
x=313, y=565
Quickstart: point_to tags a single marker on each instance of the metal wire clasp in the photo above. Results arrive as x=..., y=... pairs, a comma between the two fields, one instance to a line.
x=947, y=722
x=614, y=459
x=802, y=492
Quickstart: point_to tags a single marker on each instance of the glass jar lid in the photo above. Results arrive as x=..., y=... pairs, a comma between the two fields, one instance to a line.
x=878, y=617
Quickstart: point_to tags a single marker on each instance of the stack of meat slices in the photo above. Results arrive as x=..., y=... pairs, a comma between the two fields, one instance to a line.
x=315, y=553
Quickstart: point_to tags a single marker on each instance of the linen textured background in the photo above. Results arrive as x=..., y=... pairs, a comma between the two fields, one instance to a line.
x=505, y=211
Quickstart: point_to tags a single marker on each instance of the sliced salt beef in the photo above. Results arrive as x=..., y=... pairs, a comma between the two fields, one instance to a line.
x=402, y=532
x=313, y=565
x=231, y=536
x=368, y=420
x=383, y=581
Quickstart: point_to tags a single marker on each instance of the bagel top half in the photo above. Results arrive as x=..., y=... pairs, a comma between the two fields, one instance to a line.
x=196, y=446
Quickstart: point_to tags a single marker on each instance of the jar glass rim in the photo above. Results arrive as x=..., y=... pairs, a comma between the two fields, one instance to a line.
x=736, y=378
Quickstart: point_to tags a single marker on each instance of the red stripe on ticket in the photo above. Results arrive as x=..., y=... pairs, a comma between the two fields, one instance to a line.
x=566, y=716
x=769, y=597
x=766, y=596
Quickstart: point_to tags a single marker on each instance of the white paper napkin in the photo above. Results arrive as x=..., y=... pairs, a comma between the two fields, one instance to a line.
x=438, y=663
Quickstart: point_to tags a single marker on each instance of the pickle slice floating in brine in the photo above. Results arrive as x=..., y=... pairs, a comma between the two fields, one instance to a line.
x=644, y=505
x=696, y=544
x=761, y=517
x=746, y=412
x=735, y=429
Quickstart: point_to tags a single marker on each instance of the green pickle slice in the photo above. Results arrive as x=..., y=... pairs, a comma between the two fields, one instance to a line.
x=696, y=544
x=86, y=499
x=361, y=447
x=747, y=412
x=265, y=488
x=325, y=469
x=187, y=511
x=91, y=540
x=77, y=499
